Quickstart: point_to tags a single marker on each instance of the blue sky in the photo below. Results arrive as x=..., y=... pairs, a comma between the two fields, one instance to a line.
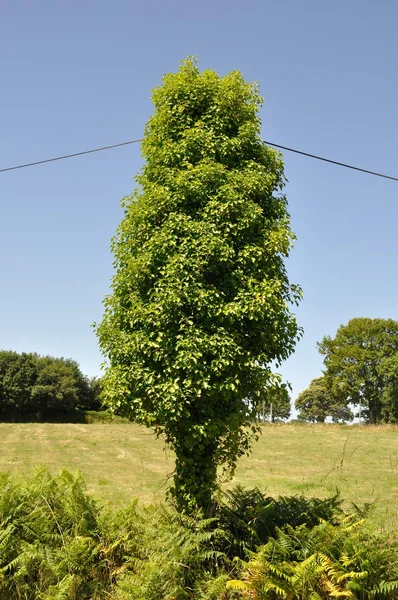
x=76, y=75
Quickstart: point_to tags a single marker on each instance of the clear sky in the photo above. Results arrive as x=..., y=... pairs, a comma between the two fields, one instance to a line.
x=77, y=74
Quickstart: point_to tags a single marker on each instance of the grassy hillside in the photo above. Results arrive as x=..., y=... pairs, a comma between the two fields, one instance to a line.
x=123, y=461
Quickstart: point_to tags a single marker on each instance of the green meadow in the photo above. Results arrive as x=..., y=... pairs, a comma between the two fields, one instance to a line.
x=121, y=461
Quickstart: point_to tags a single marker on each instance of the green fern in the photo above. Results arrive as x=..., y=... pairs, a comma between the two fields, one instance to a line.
x=178, y=559
x=327, y=561
x=57, y=543
x=49, y=539
x=249, y=518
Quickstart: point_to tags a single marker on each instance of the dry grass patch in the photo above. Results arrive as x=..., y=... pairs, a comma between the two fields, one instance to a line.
x=123, y=461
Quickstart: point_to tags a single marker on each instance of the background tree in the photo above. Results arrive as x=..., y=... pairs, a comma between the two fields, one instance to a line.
x=389, y=397
x=60, y=387
x=95, y=386
x=42, y=385
x=18, y=373
x=276, y=401
x=200, y=302
x=317, y=402
x=355, y=360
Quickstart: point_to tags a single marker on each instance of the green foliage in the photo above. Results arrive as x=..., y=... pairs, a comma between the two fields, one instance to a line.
x=249, y=518
x=57, y=543
x=95, y=394
x=326, y=561
x=55, y=387
x=43, y=386
x=200, y=301
x=275, y=402
x=361, y=366
x=318, y=402
x=178, y=558
x=389, y=398
x=18, y=373
x=102, y=416
x=48, y=546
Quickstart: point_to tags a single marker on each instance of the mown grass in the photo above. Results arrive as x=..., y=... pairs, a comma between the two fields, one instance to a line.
x=122, y=461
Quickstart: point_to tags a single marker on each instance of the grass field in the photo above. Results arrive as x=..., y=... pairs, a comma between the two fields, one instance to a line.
x=124, y=461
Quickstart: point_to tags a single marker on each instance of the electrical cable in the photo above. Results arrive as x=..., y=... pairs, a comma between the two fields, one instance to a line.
x=301, y=152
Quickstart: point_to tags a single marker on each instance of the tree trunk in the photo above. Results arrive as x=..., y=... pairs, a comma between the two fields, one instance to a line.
x=374, y=411
x=372, y=416
x=195, y=477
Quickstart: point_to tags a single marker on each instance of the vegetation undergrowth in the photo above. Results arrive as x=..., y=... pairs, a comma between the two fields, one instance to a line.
x=57, y=542
x=72, y=416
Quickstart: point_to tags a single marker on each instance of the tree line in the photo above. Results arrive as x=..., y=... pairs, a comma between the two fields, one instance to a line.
x=360, y=378
x=44, y=386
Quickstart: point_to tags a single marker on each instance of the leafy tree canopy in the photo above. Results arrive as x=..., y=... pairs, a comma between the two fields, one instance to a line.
x=361, y=362
x=316, y=403
x=18, y=373
x=389, y=397
x=41, y=385
x=275, y=403
x=200, y=303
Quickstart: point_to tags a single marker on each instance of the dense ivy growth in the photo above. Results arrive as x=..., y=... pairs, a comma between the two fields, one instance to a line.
x=200, y=303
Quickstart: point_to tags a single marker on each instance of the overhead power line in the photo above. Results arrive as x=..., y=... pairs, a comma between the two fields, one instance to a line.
x=333, y=162
x=315, y=156
x=47, y=160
